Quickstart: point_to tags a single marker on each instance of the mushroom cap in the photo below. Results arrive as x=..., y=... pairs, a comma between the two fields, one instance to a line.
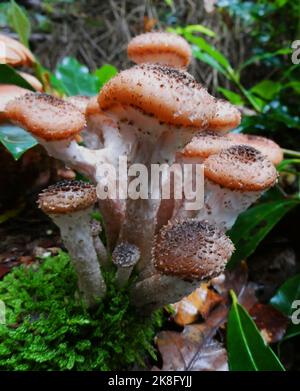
x=66, y=197
x=227, y=117
x=45, y=116
x=266, y=146
x=79, y=101
x=240, y=167
x=172, y=96
x=125, y=255
x=15, y=53
x=161, y=48
x=191, y=249
x=205, y=144
x=9, y=92
x=33, y=81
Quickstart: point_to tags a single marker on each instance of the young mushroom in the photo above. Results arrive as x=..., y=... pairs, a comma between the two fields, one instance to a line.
x=15, y=53
x=101, y=251
x=185, y=252
x=234, y=179
x=69, y=204
x=125, y=256
x=160, y=48
x=163, y=108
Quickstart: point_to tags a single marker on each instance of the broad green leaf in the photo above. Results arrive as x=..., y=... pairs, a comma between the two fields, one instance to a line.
x=19, y=22
x=286, y=295
x=9, y=76
x=199, y=28
x=73, y=78
x=247, y=350
x=16, y=140
x=266, y=89
x=3, y=14
x=257, y=103
x=253, y=225
x=105, y=73
x=233, y=97
x=202, y=56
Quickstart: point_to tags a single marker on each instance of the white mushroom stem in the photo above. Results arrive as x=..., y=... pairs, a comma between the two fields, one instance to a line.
x=99, y=246
x=221, y=206
x=77, y=238
x=159, y=290
x=122, y=275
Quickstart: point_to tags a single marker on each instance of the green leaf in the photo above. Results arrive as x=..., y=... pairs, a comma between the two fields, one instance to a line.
x=233, y=97
x=247, y=350
x=254, y=224
x=9, y=76
x=265, y=56
x=105, y=73
x=292, y=331
x=16, y=140
x=286, y=162
x=199, y=28
x=267, y=89
x=286, y=295
x=19, y=22
x=197, y=53
x=73, y=78
x=211, y=50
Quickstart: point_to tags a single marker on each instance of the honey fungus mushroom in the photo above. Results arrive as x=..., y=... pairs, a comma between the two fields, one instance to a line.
x=234, y=179
x=184, y=253
x=163, y=108
x=69, y=204
x=15, y=53
x=125, y=256
x=160, y=48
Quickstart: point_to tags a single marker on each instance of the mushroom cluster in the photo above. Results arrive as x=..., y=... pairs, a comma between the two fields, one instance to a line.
x=152, y=113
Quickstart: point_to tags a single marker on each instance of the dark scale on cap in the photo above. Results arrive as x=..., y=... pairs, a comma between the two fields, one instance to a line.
x=67, y=197
x=125, y=255
x=191, y=249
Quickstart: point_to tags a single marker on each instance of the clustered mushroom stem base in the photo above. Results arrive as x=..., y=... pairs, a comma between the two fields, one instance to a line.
x=76, y=235
x=159, y=290
x=123, y=275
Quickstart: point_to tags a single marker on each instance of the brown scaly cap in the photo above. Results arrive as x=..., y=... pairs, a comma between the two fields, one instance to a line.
x=79, y=101
x=15, y=53
x=66, y=197
x=8, y=92
x=125, y=255
x=161, y=48
x=191, y=249
x=227, y=117
x=241, y=167
x=170, y=95
x=205, y=144
x=46, y=116
x=266, y=146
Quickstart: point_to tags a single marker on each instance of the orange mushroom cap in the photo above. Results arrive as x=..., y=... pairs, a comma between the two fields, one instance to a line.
x=161, y=48
x=240, y=167
x=15, y=53
x=45, y=116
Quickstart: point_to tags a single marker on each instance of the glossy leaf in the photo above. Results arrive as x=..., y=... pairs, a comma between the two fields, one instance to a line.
x=265, y=56
x=286, y=295
x=9, y=76
x=233, y=97
x=16, y=140
x=267, y=89
x=105, y=73
x=199, y=28
x=19, y=22
x=286, y=162
x=73, y=78
x=254, y=224
x=202, y=56
x=246, y=348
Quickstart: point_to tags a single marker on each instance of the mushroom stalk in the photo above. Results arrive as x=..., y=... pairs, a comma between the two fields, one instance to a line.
x=98, y=245
x=78, y=240
x=158, y=290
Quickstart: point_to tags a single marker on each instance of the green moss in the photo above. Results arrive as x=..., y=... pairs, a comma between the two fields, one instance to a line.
x=49, y=329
